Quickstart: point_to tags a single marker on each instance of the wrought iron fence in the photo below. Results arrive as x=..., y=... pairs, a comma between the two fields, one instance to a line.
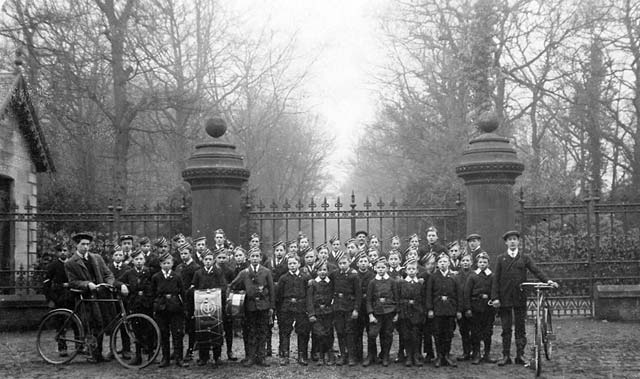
x=33, y=233
x=581, y=245
x=320, y=221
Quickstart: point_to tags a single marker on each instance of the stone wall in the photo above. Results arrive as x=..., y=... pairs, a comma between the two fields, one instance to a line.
x=16, y=163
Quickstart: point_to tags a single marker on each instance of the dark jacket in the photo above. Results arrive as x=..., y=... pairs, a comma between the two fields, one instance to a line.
x=444, y=296
x=477, y=291
x=120, y=273
x=320, y=297
x=412, y=296
x=168, y=293
x=507, y=277
x=80, y=276
x=259, y=287
x=347, y=291
x=140, y=297
x=56, y=285
x=277, y=269
x=382, y=296
x=365, y=277
x=291, y=292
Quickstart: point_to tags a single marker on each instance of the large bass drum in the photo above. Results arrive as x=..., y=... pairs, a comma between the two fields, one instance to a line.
x=208, y=316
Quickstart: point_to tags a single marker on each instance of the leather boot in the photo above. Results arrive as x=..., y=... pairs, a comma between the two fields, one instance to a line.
x=368, y=360
x=385, y=359
x=302, y=358
x=477, y=358
x=331, y=358
x=506, y=360
x=449, y=361
x=417, y=359
x=438, y=361
x=487, y=354
x=284, y=359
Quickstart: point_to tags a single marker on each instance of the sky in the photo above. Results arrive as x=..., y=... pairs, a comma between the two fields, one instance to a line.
x=340, y=88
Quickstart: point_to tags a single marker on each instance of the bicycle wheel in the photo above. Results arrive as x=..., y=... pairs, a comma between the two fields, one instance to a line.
x=547, y=332
x=537, y=348
x=137, y=336
x=60, y=336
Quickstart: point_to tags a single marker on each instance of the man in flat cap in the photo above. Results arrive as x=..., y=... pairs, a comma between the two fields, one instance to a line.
x=511, y=301
x=474, y=240
x=86, y=271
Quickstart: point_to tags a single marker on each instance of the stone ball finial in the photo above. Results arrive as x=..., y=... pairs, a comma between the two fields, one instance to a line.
x=488, y=122
x=216, y=127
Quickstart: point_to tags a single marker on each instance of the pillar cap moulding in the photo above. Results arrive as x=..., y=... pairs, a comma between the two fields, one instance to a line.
x=489, y=158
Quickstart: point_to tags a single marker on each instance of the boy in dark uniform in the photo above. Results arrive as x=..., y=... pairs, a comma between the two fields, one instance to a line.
x=477, y=292
x=464, y=324
x=120, y=271
x=56, y=283
x=186, y=270
x=277, y=264
x=56, y=287
x=200, y=245
x=396, y=273
x=511, y=271
x=336, y=252
x=443, y=307
x=454, y=254
x=257, y=281
x=427, y=335
x=126, y=244
x=433, y=246
x=161, y=246
x=151, y=258
x=208, y=277
x=168, y=291
x=382, y=299
x=177, y=240
x=365, y=275
x=347, y=299
x=411, y=316
x=319, y=307
x=140, y=299
x=291, y=297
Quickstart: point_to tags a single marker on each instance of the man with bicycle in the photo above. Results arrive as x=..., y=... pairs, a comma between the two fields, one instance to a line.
x=86, y=271
x=506, y=294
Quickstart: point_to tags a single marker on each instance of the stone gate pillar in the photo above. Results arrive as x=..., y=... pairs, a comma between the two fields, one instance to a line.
x=216, y=174
x=489, y=168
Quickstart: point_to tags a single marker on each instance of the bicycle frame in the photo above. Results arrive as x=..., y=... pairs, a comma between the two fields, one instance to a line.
x=540, y=326
x=80, y=310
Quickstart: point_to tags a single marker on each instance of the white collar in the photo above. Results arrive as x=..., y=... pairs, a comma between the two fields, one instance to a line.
x=513, y=253
x=411, y=280
x=487, y=271
x=385, y=277
x=188, y=262
x=326, y=279
x=166, y=274
x=446, y=273
x=254, y=268
x=296, y=273
x=117, y=265
x=208, y=270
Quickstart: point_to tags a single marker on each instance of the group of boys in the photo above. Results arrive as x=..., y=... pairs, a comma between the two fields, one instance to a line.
x=320, y=293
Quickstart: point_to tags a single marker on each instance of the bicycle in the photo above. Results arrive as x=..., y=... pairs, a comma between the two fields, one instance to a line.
x=65, y=333
x=543, y=326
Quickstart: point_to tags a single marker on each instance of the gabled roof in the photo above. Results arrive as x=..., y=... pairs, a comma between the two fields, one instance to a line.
x=14, y=96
